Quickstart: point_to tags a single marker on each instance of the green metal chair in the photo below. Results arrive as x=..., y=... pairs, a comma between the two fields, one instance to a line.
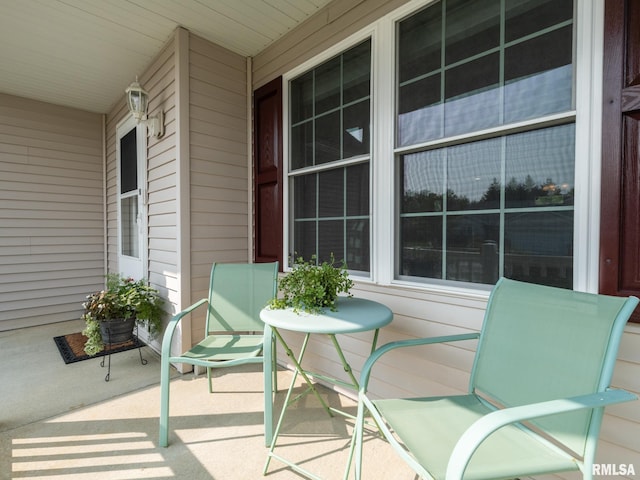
x=538, y=388
x=235, y=335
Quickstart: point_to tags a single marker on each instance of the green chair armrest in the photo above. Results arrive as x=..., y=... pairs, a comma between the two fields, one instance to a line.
x=483, y=428
x=366, y=369
x=173, y=324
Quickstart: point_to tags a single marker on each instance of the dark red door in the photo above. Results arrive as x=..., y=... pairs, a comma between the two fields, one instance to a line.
x=267, y=171
x=620, y=213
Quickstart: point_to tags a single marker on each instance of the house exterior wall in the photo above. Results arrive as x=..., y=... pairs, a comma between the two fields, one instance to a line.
x=51, y=211
x=218, y=168
x=422, y=312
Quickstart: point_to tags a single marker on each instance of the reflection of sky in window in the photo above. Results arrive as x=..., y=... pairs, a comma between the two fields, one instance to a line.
x=356, y=132
x=546, y=154
x=530, y=97
x=423, y=172
x=539, y=94
x=472, y=168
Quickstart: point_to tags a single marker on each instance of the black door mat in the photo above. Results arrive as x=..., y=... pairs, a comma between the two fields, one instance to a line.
x=71, y=347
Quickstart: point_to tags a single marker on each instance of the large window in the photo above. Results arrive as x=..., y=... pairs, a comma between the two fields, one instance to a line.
x=485, y=167
x=457, y=164
x=329, y=159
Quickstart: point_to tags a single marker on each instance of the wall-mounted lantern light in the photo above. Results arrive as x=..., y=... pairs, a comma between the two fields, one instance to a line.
x=138, y=102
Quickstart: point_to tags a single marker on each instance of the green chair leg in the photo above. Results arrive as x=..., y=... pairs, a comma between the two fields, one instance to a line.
x=270, y=384
x=164, y=403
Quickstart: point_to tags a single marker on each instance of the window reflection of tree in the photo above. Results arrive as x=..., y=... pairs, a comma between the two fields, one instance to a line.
x=527, y=257
x=517, y=194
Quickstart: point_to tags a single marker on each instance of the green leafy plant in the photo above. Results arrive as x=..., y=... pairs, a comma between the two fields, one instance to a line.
x=311, y=287
x=123, y=298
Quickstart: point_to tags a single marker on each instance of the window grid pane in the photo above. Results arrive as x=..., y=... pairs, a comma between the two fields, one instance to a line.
x=331, y=215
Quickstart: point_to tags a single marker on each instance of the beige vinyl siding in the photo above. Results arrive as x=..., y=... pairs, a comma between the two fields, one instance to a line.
x=441, y=369
x=162, y=166
x=113, y=118
x=218, y=164
x=51, y=211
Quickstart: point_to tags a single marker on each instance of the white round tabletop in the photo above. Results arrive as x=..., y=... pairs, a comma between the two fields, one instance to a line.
x=352, y=315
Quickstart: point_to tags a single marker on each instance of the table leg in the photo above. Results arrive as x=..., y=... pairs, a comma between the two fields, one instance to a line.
x=345, y=364
x=374, y=343
x=297, y=363
x=287, y=401
x=270, y=383
x=299, y=370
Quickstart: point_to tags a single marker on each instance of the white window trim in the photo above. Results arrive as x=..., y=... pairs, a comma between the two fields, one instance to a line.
x=589, y=51
x=589, y=21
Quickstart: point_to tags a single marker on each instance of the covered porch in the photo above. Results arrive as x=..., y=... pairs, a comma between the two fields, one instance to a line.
x=65, y=422
x=61, y=216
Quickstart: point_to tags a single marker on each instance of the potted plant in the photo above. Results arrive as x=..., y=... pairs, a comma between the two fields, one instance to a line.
x=111, y=314
x=311, y=287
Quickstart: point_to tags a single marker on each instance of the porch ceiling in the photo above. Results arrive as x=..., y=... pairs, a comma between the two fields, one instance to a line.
x=84, y=53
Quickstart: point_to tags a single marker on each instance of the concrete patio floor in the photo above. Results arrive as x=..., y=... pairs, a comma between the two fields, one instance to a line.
x=65, y=422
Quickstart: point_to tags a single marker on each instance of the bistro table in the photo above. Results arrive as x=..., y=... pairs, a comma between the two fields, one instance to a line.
x=352, y=315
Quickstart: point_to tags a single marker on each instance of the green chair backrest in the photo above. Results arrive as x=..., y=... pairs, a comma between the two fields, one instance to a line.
x=540, y=343
x=237, y=293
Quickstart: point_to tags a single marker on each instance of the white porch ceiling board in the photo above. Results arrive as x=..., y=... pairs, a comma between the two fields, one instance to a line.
x=127, y=14
x=84, y=53
x=214, y=24
x=296, y=9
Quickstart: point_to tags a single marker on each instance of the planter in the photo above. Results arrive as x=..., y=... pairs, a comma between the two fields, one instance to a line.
x=117, y=330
